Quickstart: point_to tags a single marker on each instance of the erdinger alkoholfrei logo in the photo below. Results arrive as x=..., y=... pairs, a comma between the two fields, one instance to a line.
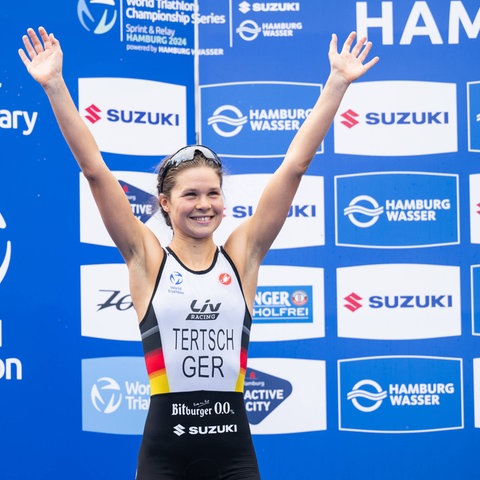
x=401, y=394
x=5, y=262
x=283, y=304
x=97, y=16
x=263, y=393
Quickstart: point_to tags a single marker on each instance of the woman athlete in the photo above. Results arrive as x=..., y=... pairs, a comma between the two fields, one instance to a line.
x=194, y=299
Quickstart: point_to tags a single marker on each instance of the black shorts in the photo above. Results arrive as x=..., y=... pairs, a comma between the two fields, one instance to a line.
x=197, y=436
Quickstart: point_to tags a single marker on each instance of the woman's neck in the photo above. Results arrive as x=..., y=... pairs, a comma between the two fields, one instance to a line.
x=196, y=254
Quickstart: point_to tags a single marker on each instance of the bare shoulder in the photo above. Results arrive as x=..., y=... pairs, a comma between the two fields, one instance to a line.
x=143, y=269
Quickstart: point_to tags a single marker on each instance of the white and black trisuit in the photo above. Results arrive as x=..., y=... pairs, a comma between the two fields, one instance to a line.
x=195, y=338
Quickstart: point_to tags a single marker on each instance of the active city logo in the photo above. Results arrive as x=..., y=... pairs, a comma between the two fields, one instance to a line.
x=254, y=119
x=144, y=205
x=97, y=16
x=263, y=393
x=400, y=394
x=369, y=214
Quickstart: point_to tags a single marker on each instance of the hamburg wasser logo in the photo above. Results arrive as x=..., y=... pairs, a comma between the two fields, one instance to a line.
x=254, y=119
x=97, y=16
x=263, y=393
x=397, y=209
x=400, y=394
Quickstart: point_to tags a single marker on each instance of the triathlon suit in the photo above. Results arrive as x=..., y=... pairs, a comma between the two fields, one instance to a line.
x=195, y=337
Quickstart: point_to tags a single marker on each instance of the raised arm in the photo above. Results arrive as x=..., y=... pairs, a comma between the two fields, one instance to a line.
x=259, y=231
x=43, y=59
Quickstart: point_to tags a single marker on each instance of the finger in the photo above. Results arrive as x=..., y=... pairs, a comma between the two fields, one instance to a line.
x=44, y=35
x=28, y=46
x=333, y=44
x=358, y=46
x=23, y=57
x=371, y=63
x=348, y=42
x=363, y=55
x=37, y=45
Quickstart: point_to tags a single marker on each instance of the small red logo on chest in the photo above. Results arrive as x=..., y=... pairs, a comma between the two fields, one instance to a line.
x=225, y=279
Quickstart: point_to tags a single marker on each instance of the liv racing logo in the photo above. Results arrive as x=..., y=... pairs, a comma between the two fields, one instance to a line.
x=400, y=394
x=97, y=16
x=8, y=252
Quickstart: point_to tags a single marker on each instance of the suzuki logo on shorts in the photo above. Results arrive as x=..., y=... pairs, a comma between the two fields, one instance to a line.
x=353, y=302
x=349, y=118
x=179, y=430
x=93, y=113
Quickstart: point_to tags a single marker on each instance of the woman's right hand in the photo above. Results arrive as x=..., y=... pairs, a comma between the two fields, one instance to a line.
x=43, y=58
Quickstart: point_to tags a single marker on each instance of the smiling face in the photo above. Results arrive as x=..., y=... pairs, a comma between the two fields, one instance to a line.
x=195, y=204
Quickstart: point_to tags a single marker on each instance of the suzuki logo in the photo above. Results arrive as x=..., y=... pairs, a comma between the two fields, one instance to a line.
x=353, y=302
x=179, y=430
x=349, y=118
x=93, y=113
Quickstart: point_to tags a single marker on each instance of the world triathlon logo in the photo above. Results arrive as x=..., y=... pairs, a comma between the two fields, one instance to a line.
x=8, y=252
x=363, y=211
x=227, y=121
x=97, y=16
x=105, y=395
x=372, y=396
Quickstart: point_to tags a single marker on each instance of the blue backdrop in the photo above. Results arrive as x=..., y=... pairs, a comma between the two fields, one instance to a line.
x=364, y=356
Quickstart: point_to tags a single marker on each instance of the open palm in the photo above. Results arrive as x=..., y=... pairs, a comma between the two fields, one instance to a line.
x=42, y=56
x=349, y=62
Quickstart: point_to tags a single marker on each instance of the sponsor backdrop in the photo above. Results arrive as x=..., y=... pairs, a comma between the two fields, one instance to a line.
x=365, y=352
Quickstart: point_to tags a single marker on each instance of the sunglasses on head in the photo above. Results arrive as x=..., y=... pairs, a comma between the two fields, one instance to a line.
x=185, y=154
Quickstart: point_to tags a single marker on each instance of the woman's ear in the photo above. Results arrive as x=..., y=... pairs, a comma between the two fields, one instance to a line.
x=163, y=202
